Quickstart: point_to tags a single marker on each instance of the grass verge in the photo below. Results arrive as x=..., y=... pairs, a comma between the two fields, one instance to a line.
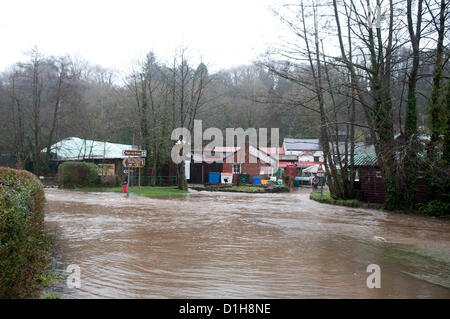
x=327, y=199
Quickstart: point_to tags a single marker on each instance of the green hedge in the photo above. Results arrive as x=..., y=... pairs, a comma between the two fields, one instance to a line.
x=23, y=243
x=78, y=174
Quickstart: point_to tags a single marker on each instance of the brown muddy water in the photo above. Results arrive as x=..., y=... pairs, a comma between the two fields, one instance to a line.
x=230, y=245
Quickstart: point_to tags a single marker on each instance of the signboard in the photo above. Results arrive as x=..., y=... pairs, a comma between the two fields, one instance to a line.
x=139, y=153
x=134, y=162
x=320, y=170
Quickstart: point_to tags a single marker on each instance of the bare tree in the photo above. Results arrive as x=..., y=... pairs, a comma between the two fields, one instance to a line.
x=189, y=97
x=314, y=71
x=151, y=89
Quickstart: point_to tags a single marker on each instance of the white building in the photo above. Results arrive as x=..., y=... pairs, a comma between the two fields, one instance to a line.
x=306, y=150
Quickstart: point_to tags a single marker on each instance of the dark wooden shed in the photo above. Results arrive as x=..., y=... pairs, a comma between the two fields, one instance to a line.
x=372, y=188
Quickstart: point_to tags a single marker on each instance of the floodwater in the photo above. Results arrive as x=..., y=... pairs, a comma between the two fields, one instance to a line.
x=230, y=245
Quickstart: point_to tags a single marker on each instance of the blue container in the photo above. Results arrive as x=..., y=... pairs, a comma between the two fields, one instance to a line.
x=214, y=178
x=256, y=180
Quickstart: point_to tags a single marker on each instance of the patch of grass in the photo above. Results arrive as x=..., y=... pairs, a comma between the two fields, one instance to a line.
x=327, y=199
x=44, y=279
x=149, y=191
x=247, y=189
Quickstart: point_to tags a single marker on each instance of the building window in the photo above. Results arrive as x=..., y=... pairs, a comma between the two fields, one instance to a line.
x=316, y=159
x=236, y=168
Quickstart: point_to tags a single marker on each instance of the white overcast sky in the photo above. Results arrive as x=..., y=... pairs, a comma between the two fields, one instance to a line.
x=114, y=33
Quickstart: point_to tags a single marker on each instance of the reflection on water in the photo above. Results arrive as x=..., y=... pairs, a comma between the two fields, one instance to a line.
x=228, y=245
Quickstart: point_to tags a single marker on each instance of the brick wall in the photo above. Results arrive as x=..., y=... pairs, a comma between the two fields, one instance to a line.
x=252, y=169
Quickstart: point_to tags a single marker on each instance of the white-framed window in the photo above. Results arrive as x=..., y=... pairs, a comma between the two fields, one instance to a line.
x=236, y=168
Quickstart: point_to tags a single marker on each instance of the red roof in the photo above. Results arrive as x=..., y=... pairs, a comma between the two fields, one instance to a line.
x=301, y=164
x=272, y=150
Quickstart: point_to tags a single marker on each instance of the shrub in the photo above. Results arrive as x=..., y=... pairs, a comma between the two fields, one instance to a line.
x=78, y=174
x=328, y=199
x=435, y=208
x=23, y=243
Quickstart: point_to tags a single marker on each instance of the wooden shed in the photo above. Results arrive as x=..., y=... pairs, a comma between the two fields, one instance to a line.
x=372, y=188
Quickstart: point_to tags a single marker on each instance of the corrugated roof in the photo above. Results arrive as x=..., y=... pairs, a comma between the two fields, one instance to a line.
x=293, y=144
x=74, y=148
x=371, y=159
x=314, y=169
x=360, y=148
x=273, y=150
x=365, y=159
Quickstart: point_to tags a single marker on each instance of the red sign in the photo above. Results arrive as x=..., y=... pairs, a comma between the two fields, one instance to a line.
x=139, y=153
x=134, y=162
x=290, y=170
x=320, y=170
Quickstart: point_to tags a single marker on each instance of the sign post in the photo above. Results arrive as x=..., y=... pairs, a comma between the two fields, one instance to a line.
x=136, y=153
x=135, y=159
x=128, y=183
x=320, y=173
x=133, y=162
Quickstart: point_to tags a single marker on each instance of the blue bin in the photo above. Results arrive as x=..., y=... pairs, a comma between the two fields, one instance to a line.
x=256, y=180
x=214, y=178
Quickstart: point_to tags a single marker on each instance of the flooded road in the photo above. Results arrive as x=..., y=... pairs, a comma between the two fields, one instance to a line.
x=230, y=245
